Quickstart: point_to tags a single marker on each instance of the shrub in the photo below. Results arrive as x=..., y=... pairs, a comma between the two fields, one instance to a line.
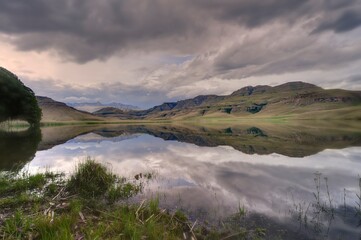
x=17, y=102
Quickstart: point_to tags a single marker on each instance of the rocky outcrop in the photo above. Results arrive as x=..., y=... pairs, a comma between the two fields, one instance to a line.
x=255, y=108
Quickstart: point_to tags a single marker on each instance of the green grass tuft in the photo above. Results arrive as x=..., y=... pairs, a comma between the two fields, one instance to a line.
x=17, y=226
x=91, y=180
x=122, y=191
x=61, y=228
x=11, y=183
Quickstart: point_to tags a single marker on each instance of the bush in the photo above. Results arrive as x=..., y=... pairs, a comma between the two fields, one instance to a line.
x=17, y=102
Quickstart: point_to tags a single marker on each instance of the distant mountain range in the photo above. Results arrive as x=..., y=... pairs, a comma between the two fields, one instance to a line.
x=95, y=106
x=292, y=100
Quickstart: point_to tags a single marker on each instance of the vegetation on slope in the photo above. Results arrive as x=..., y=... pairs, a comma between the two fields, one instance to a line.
x=17, y=102
x=296, y=100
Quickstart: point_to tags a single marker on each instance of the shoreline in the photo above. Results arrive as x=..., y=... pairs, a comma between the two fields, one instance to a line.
x=92, y=204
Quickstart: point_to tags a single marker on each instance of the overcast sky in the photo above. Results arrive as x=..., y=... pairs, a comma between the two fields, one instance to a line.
x=145, y=52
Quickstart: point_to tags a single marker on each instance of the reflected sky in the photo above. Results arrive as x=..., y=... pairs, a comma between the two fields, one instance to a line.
x=212, y=182
x=222, y=169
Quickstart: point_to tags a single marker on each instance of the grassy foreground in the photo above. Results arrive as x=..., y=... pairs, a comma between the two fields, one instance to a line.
x=88, y=205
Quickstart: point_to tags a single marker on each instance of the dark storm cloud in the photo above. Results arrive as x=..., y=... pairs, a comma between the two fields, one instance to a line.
x=86, y=30
x=254, y=13
x=337, y=4
x=276, y=51
x=347, y=21
x=312, y=58
x=355, y=79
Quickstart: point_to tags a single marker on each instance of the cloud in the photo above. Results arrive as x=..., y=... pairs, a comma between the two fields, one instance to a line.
x=105, y=92
x=355, y=79
x=347, y=21
x=255, y=13
x=145, y=52
x=86, y=30
x=264, y=53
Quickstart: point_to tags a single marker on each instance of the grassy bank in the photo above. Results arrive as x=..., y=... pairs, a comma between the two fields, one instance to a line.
x=91, y=204
x=13, y=125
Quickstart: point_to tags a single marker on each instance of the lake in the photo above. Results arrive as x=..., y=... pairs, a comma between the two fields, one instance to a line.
x=298, y=180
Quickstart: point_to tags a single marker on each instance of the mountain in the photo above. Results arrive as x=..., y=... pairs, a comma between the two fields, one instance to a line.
x=95, y=106
x=112, y=112
x=54, y=111
x=296, y=100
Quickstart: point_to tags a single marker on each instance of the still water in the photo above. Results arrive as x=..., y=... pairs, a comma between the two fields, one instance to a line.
x=300, y=181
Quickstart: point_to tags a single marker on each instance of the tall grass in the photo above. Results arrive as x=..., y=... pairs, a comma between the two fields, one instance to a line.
x=43, y=207
x=91, y=179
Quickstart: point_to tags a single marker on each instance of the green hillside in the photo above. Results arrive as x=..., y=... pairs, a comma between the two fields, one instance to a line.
x=294, y=100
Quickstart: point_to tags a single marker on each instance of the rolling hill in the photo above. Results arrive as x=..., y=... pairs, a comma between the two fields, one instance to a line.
x=93, y=107
x=54, y=111
x=296, y=100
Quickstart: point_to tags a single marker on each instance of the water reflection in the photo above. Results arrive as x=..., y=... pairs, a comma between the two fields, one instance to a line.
x=18, y=147
x=210, y=171
x=298, y=140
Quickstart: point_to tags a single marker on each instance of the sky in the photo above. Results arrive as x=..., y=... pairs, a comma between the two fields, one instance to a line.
x=146, y=52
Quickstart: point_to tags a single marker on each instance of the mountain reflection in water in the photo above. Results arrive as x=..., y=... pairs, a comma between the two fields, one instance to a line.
x=210, y=171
